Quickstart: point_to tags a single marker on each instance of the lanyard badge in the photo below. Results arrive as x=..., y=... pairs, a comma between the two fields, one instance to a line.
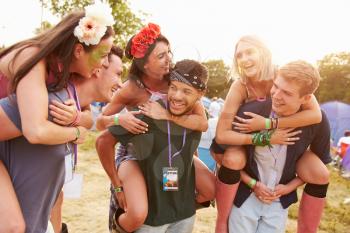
x=170, y=174
x=170, y=179
x=69, y=165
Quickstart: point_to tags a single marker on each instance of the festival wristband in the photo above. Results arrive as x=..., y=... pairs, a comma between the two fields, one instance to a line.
x=77, y=133
x=118, y=189
x=252, y=183
x=116, y=119
x=267, y=123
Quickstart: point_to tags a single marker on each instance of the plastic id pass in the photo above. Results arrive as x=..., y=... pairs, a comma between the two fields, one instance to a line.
x=170, y=179
x=69, y=165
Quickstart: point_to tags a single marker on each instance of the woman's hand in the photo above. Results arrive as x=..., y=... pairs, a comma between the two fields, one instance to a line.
x=263, y=193
x=121, y=200
x=282, y=189
x=284, y=136
x=154, y=110
x=129, y=122
x=64, y=113
x=256, y=123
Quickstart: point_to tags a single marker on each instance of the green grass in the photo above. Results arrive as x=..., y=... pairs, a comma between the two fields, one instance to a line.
x=89, y=213
x=89, y=143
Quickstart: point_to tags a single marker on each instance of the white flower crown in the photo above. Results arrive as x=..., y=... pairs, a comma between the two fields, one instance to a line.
x=93, y=26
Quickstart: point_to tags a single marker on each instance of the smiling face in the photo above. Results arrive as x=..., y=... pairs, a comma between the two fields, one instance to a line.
x=110, y=78
x=248, y=60
x=286, y=98
x=159, y=60
x=182, y=98
x=86, y=63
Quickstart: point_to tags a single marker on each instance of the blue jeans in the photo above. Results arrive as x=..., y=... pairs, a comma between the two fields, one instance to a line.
x=256, y=217
x=182, y=226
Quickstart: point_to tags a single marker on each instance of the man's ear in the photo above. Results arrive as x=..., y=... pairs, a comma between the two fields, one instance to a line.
x=306, y=98
x=78, y=50
x=96, y=73
x=201, y=94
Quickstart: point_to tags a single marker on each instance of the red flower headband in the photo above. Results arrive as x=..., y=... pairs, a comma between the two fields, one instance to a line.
x=142, y=40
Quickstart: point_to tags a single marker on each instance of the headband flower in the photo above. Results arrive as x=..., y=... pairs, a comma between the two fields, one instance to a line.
x=142, y=40
x=93, y=26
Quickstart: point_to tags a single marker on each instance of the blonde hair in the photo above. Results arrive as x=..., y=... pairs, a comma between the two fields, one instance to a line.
x=267, y=69
x=303, y=74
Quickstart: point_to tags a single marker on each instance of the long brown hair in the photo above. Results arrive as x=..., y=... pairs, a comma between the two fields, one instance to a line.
x=56, y=43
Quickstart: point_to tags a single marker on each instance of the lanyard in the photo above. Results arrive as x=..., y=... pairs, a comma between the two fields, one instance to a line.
x=170, y=155
x=73, y=95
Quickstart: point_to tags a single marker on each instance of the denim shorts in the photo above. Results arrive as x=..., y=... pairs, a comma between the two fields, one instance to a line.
x=124, y=153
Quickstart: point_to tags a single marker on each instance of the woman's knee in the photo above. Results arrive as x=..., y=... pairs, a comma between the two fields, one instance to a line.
x=138, y=214
x=103, y=140
x=234, y=158
x=312, y=170
x=323, y=176
x=15, y=225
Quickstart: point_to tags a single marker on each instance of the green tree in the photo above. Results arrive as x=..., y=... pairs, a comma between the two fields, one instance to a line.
x=219, y=82
x=44, y=26
x=127, y=23
x=335, y=78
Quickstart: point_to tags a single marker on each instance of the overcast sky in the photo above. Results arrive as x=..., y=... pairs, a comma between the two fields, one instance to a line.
x=202, y=30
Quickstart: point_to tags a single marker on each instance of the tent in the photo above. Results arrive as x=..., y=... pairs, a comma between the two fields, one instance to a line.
x=206, y=102
x=346, y=160
x=338, y=114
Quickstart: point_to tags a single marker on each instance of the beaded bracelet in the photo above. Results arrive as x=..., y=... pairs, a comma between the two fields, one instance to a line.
x=118, y=189
x=262, y=138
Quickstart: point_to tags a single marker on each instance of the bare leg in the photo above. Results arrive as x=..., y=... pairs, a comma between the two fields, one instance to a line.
x=314, y=172
x=233, y=161
x=135, y=192
x=8, y=129
x=311, y=169
x=205, y=181
x=56, y=214
x=105, y=144
x=11, y=218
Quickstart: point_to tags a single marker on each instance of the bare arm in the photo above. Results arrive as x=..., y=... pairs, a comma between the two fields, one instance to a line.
x=224, y=132
x=67, y=113
x=310, y=114
x=196, y=121
x=8, y=129
x=265, y=194
x=107, y=117
x=32, y=98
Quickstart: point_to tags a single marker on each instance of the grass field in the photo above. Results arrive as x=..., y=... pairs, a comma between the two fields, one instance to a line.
x=89, y=214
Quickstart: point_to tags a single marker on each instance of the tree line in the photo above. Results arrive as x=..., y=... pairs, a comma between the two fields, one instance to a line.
x=334, y=68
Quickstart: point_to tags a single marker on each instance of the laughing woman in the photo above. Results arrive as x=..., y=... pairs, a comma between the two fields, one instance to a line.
x=79, y=44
